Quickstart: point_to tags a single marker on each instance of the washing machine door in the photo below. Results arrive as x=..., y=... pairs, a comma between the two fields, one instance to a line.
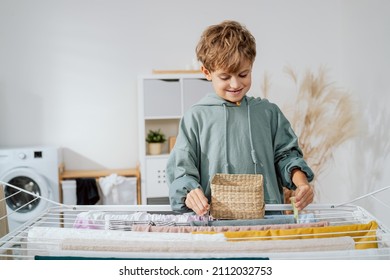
x=22, y=206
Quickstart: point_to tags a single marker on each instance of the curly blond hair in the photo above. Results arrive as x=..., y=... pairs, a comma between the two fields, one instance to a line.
x=226, y=46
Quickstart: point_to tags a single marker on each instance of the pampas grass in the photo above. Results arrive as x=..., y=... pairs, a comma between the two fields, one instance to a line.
x=322, y=115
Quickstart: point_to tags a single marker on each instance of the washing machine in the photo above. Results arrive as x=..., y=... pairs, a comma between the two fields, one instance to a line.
x=34, y=169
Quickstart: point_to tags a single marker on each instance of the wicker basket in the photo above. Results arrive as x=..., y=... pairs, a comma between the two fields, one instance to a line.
x=237, y=196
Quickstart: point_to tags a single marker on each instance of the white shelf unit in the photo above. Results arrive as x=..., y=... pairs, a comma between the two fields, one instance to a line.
x=162, y=101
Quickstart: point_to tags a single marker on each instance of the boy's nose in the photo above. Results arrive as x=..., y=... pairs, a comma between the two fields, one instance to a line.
x=234, y=83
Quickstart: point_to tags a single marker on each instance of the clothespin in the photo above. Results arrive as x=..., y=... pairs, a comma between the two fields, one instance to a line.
x=295, y=209
x=206, y=218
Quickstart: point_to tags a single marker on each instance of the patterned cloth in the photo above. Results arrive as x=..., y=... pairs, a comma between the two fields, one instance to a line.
x=103, y=220
x=190, y=229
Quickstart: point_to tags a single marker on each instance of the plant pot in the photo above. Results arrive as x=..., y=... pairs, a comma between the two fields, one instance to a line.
x=155, y=148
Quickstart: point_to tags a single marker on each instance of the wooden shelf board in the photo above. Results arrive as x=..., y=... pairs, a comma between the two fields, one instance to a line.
x=129, y=172
x=73, y=174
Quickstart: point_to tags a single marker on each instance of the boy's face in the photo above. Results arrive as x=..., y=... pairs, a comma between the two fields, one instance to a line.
x=231, y=86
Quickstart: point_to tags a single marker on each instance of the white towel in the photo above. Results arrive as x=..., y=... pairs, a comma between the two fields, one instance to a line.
x=41, y=240
x=107, y=183
x=118, y=190
x=194, y=245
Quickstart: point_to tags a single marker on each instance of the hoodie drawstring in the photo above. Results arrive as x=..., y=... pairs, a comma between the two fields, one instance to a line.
x=226, y=141
x=253, y=152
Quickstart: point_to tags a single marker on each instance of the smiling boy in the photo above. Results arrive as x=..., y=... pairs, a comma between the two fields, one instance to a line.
x=230, y=132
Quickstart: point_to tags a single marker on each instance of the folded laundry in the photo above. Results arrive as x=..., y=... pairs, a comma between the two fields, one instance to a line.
x=197, y=246
x=43, y=239
x=364, y=235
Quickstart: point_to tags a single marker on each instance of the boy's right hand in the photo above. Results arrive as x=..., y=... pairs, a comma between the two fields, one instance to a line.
x=197, y=201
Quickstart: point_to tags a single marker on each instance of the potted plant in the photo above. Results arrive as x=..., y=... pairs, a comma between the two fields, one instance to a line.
x=155, y=139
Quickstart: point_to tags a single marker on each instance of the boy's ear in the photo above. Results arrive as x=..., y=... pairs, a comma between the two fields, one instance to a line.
x=206, y=72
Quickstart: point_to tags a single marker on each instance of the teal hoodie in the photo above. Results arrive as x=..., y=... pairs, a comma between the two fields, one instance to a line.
x=216, y=136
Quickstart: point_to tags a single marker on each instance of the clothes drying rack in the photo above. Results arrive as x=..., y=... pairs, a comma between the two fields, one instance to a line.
x=348, y=231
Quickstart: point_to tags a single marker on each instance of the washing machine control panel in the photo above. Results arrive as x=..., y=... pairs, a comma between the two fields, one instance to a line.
x=37, y=154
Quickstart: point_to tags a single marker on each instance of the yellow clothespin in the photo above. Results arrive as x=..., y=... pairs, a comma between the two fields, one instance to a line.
x=295, y=209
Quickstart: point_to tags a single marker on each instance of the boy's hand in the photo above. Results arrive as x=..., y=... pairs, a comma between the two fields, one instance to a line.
x=304, y=195
x=197, y=201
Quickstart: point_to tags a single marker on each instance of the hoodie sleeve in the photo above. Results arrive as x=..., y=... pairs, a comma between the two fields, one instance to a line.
x=182, y=171
x=288, y=155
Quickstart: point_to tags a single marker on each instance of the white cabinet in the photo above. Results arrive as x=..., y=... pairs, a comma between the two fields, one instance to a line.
x=162, y=101
x=193, y=89
x=155, y=176
x=162, y=98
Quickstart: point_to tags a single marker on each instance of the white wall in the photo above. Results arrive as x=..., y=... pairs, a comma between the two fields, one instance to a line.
x=68, y=69
x=363, y=165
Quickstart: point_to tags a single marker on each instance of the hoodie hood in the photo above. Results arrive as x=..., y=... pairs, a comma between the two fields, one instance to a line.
x=212, y=99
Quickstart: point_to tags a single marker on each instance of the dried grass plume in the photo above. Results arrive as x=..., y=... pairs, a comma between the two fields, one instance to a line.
x=322, y=115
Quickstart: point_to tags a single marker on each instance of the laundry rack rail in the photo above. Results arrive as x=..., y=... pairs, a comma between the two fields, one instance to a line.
x=53, y=234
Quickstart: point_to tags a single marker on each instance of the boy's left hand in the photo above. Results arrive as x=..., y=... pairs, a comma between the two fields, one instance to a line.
x=304, y=195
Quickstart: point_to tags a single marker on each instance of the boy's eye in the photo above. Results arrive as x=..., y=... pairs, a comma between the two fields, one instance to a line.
x=226, y=77
x=244, y=74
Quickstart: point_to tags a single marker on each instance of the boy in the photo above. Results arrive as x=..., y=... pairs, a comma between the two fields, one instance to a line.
x=229, y=132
